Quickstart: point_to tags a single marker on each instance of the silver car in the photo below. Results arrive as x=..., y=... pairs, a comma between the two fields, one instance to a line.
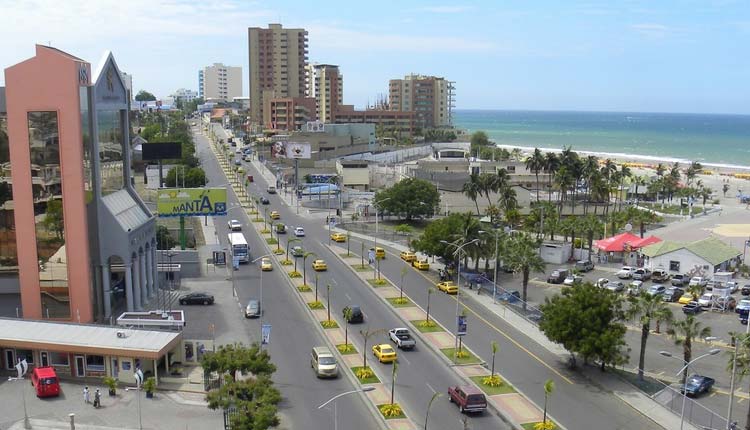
x=252, y=310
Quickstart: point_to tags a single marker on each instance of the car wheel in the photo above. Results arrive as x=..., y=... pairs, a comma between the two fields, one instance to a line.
x=183, y=302
x=461, y=408
x=205, y=302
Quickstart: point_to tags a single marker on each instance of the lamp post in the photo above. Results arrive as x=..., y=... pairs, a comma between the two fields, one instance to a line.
x=684, y=384
x=429, y=405
x=260, y=300
x=376, y=224
x=334, y=398
x=731, y=383
x=457, y=253
x=494, y=277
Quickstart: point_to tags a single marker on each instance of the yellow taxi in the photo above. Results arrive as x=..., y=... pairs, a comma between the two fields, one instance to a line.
x=421, y=265
x=685, y=299
x=384, y=353
x=408, y=256
x=379, y=252
x=448, y=286
x=265, y=265
x=319, y=265
x=275, y=215
x=338, y=237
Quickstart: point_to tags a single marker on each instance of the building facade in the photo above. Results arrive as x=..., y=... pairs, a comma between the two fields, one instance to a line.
x=184, y=95
x=289, y=114
x=220, y=83
x=277, y=65
x=328, y=91
x=399, y=123
x=94, y=239
x=431, y=99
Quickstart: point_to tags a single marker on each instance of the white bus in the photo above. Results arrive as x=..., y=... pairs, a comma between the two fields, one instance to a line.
x=238, y=247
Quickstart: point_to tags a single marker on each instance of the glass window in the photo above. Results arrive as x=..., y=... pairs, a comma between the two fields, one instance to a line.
x=8, y=257
x=44, y=149
x=674, y=266
x=59, y=359
x=86, y=139
x=110, y=150
x=95, y=362
x=25, y=354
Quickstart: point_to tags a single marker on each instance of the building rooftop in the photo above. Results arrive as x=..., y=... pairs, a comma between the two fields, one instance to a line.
x=710, y=249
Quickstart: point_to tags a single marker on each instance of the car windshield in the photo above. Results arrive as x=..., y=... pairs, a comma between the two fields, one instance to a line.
x=327, y=360
x=654, y=288
x=386, y=350
x=475, y=398
x=744, y=302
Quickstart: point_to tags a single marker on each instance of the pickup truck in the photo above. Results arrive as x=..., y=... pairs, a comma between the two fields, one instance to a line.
x=402, y=338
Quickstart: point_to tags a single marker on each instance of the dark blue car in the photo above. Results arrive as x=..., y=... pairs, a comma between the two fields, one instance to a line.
x=510, y=296
x=697, y=384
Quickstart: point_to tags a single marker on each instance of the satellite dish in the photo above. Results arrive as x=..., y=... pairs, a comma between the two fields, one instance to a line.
x=628, y=227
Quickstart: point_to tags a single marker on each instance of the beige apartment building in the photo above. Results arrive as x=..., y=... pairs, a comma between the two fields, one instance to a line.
x=327, y=87
x=220, y=83
x=277, y=61
x=431, y=99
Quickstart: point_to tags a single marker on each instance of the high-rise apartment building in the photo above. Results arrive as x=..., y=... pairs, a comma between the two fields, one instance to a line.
x=327, y=87
x=220, y=83
x=430, y=98
x=277, y=61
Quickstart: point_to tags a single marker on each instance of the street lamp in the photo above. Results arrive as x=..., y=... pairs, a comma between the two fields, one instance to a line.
x=376, y=222
x=334, y=398
x=731, y=383
x=457, y=253
x=494, y=278
x=685, y=369
x=260, y=300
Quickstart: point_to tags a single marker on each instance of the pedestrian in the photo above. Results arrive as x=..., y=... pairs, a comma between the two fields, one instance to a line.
x=97, y=398
x=86, y=398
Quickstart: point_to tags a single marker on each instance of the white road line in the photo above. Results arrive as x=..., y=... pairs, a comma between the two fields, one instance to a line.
x=430, y=387
x=409, y=363
x=347, y=297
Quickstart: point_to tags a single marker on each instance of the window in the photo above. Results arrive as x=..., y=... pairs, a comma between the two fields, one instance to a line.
x=95, y=363
x=8, y=257
x=110, y=150
x=25, y=354
x=674, y=266
x=126, y=365
x=59, y=359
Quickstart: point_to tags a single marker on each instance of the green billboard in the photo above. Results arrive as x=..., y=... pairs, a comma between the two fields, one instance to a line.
x=192, y=201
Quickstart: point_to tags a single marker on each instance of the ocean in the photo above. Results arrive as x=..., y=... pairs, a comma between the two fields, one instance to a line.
x=713, y=140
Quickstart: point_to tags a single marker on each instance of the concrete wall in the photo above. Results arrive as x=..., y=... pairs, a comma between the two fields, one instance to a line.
x=689, y=262
x=188, y=259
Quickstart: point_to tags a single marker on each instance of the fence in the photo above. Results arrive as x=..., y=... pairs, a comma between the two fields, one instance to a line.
x=510, y=299
x=384, y=232
x=695, y=413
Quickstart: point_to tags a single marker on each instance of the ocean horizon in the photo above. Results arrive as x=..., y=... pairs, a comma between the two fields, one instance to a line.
x=715, y=140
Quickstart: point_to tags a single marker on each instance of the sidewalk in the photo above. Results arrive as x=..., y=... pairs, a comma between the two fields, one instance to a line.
x=606, y=380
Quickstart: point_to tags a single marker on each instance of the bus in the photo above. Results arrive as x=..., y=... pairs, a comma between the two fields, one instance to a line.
x=238, y=247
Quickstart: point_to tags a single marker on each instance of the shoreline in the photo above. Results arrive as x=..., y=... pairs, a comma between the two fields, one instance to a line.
x=648, y=161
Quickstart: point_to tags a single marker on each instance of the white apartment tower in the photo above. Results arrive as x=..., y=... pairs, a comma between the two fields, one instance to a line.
x=220, y=83
x=327, y=88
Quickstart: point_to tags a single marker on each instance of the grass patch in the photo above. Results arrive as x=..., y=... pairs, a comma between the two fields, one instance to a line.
x=504, y=388
x=271, y=241
x=365, y=375
x=465, y=358
x=329, y=324
x=345, y=255
x=295, y=274
x=432, y=327
x=279, y=252
x=265, y=231
x=670, y=209
x=304, y=289
x=539, y=426
x=315, y=305
x=286, y=262
x=256, y=219
x=400, y=302
x=391, y=411
x=649, y=385
x=362, y=267
x=377, y=283
x=346, y=348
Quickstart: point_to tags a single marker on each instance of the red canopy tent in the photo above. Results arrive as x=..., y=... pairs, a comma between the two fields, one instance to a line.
x=625, y=240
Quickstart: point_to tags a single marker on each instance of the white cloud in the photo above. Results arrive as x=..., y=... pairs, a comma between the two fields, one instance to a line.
x=651, y=29
x=447, y=9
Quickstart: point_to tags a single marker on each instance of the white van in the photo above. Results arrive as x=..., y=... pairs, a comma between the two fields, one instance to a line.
x=323, y=362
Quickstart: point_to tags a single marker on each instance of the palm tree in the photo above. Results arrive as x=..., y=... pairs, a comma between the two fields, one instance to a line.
x=660, y=169
x=507, y=199
x=347, y=316
x=494, y=351
x=549, y=388
x=592, y=225
x=589, y=168
x=535, y=163
x=741, y=363
x=692, y=171
x=488, y=183
x=472, y=190
x=638, y=181
x=551, y=166
x=684, y=332
x=624, y=173
x=523, y=256
x=648, y=307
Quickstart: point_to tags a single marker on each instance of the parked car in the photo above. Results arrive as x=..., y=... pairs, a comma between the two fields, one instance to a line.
x=679, y=280
x=660, y=275
x=634, y=288
x=686, y=298
x=297, y=251
x=615, y=286
x=710, y=285
x=584, y=265
x=733, y=286
x=197, y=299
x=698, y=281
x=697, y=384
x=573, y=280
x=511, y=296
x=402, y=338
x=692, y=308
x=45, y=382
x=743, y=305
x=558, y=276
x=280, y=228
x=234, y=225
x=626, y=272
x=252, y=310
x=468, y=398
x=656, y=289
x=271, y=189
x=745, y=291
x=642, y=274
x=601, y=282
x=384, y=353
x=299, y=232
x=672, y=294
x=264, y=201
x=706, y=299
x=357, y=316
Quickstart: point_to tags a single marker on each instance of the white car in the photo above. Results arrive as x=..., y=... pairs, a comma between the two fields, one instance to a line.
x=634, y=288
x=626, y=272
x=698, y=281
x=706, y=300
x=299, y=232
x=234, y=225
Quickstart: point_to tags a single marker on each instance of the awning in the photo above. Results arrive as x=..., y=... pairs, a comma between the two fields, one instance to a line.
x=624, y=241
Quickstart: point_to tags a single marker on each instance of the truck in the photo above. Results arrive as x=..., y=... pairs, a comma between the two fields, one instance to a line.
x=402, y=338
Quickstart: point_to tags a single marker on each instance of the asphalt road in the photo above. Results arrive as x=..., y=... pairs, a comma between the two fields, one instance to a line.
x=292, y=334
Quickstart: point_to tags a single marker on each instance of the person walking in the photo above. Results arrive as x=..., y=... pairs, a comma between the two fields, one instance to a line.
x=86, y=398
x=97, y=398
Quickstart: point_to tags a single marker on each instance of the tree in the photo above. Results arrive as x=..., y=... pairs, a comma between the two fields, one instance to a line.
x=479, y=138
x=195, y=177
x=409, y=198
x=684, y=332
x=647, y=307
x=437, y=230
x=164, y=239
x=551, y=166
x=347, y=316
x=549, y=388
x=144, y=96
x=586, y=320
x=522, y=255
x=494, y=351
x=231, y=358
x=254, y=399
x=472, y=190
x=535, y=163
x=53, y=218
x=741, y=364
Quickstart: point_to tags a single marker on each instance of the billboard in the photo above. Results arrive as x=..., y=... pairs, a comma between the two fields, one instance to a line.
x=298, y=150
x=162, y=151
x=315, y=127
x=192, y=202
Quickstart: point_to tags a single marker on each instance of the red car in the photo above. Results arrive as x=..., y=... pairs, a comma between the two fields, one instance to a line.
x=45, y=382
x=468, y=398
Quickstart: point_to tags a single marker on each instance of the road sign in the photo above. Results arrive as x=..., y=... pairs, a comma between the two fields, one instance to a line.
x=220, y=258
x=266, y=334
x=461, y=323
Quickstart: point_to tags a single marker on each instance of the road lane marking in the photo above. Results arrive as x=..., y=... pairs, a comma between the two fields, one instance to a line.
x=347, y=297
x=430, y=387
x=404, y=358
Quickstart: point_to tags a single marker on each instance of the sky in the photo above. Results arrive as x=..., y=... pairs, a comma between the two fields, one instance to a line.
x=626, y=55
